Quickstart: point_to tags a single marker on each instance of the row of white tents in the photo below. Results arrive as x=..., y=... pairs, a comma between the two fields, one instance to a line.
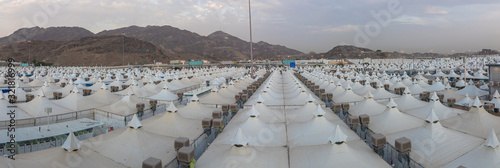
x=440, y=135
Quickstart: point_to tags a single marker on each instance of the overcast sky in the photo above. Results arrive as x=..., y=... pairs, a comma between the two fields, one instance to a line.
x=305, y=25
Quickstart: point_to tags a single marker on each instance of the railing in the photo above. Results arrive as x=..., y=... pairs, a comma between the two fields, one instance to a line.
x=28, y=122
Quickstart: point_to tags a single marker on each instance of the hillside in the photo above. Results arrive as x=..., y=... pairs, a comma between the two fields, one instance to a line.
x=46, y=34
x=216, y=46
x=90, y=51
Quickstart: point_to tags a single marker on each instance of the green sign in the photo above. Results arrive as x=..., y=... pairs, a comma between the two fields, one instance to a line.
x=288, y=61
x=24, y=64
x=195, y=62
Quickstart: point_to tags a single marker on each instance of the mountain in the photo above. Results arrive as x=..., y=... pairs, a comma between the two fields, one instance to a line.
x=172, y=42
x=216, y=46
x=46, y=34
x=353, y=52
x=87, y=51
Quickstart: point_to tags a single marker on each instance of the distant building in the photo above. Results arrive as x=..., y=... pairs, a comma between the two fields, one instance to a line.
x=177, y=62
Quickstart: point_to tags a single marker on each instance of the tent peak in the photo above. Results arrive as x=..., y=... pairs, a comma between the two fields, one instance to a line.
x=134, y=123
x=72, y=143
x=338, y=136
x=492, y=140
x=240, y=140
x=432, y=117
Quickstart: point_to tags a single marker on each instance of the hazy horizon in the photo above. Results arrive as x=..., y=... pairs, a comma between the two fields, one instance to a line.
x=317, y=25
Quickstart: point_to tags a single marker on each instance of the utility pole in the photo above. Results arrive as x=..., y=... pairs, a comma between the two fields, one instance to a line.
x=251, y=48
x=123, y=49
x=29, y=52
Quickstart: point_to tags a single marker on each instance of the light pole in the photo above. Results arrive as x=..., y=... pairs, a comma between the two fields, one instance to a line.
x=48, y=110
x=251, y=48
x=123, y=48
x=29, y=52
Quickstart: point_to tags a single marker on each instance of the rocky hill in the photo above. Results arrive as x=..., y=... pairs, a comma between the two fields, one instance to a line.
x=353, y=52
x=89, y=51
x=46, y=34
x=216, y=46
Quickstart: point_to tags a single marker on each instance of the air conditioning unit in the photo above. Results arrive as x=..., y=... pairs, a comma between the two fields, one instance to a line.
x=403, y=144
x=29, y=97
x=124, y=87
x=87, y=79
x=244, y=97
x=206, y=122
x=63, y=84
x=87, y=92
x=153, y=102
x=216, y=114
x=378, y=140
x=233, y=107
x=364, y=119
x=218, y=123
x=181, y=142
x=353, y=120
x=237, y=97
x=336, y=107
x=451, y=101
x=185, y=154
x=488, y=107
x=345, y=106
x=140, y=106
x=225, y=107
x=57, y=95
x=114, y=88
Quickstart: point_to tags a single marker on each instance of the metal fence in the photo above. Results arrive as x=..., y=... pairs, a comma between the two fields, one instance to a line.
x=390, y=154
x=29, y=122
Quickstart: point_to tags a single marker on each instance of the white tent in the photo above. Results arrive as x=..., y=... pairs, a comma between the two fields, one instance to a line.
x=336, y=151
x=486, y=155
x=195, y=110
x=477, y=121
x=433, y=145
x=164, y=95
x=347, y=96
x=442, y=111
x=472, y=90
x=84, y=157
x=496, y=99
x=77, y=102
x=367, y=106
x=316, y=131
x=247, y=156
x=449, y=93
x=173, y=125
x=125, y=106
x=18, y=113
x=104, y=96
x=37, y=106
x=381, y=93
x=131, y=145
x=214, y=98
x=407, y=101
x=255, y=131
x=392, y=120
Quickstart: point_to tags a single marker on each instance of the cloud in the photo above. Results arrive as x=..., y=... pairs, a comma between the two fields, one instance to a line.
x=435, y=10
x=337, y=29
x=406, y=19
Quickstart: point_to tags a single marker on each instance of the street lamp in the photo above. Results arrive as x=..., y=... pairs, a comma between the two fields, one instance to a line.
x=29, y=52
x=251, y=48
x=48, y=110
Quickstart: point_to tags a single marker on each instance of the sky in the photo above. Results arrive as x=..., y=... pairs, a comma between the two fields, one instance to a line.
x=441, y=26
